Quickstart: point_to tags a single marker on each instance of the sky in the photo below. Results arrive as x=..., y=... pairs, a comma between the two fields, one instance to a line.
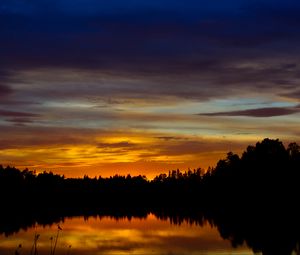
x=143, y=87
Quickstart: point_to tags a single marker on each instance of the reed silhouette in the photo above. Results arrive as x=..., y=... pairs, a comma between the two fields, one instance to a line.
x=252, y=198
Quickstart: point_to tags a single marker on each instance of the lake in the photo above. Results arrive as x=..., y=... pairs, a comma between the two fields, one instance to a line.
x=111, y=236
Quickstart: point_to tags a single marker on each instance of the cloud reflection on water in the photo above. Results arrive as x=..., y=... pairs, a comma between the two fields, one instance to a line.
x=135, y=236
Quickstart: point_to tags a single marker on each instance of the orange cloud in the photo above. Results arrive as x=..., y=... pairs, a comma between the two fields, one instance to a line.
x=76, y=152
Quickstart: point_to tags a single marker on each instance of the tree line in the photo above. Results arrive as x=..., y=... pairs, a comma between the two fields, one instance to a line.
x=251, y=198
x=265, y=172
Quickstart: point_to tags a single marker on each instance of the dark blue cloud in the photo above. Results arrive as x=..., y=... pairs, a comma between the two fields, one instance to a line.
x=142, y=27
x=259, y=112
x=164, y=38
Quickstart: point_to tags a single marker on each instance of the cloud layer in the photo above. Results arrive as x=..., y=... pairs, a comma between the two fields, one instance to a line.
x=146, y=68
x=193, y=49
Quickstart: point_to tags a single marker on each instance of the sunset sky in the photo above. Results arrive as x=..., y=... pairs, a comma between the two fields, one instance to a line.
x=144, y=86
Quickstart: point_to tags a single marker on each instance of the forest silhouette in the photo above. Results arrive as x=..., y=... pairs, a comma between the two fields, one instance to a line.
x=252, y=198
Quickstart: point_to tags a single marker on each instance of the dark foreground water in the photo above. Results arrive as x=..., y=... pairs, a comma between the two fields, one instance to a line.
x=105, y=235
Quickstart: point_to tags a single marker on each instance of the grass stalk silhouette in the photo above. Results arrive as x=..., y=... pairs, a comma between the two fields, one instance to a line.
x=34, y=250
x=55, y=243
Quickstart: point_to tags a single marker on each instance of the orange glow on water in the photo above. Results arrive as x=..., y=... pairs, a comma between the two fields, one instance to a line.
x=134, y=236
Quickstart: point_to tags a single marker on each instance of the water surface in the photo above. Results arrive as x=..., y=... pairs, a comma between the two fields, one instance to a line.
x=109, y=236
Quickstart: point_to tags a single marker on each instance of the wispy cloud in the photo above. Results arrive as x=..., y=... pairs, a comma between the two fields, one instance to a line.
x=6, y=113
x=260, y=112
